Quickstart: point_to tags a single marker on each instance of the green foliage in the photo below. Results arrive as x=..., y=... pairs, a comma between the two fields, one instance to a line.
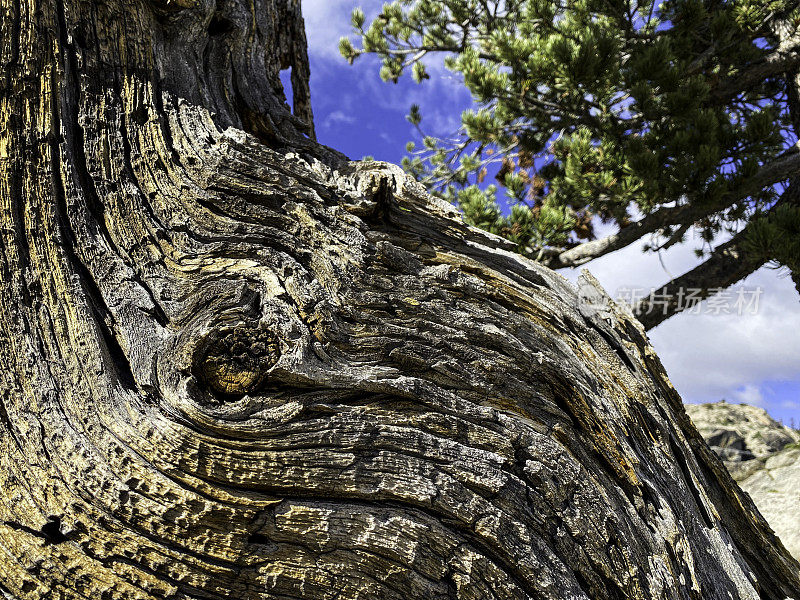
x=776, y=237
x=594, y=108
x=414, y=117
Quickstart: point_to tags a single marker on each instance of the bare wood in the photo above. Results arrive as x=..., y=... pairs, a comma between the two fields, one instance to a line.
x=236, y=365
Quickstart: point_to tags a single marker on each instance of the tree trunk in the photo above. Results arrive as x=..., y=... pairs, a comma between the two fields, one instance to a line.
x=236, y=365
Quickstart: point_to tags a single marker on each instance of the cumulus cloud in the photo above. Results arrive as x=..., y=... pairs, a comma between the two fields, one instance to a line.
x=713, y=356
x=749, y=394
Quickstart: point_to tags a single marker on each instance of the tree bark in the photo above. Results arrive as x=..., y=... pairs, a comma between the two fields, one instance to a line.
x=236, y=365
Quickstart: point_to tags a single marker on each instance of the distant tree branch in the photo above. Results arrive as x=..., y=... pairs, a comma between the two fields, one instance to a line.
x=728, y=263
x=773, y=65
x=779, y=170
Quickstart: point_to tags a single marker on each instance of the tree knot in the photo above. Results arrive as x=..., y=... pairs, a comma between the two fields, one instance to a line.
x=235, y=361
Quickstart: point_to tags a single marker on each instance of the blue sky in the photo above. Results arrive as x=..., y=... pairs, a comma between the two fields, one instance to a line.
x=753, y=358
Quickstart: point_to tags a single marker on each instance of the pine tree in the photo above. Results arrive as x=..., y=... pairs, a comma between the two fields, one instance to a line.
x=656, y=118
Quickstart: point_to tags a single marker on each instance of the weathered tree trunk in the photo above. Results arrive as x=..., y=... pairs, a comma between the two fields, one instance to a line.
x=235, y=365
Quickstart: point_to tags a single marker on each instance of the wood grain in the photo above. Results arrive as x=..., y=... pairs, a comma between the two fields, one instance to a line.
x=237, y=365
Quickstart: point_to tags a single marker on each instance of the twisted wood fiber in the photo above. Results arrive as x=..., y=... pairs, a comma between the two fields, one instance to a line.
x=236, y=365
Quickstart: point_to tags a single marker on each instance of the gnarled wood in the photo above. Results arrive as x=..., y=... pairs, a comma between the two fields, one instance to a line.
x=236, y=365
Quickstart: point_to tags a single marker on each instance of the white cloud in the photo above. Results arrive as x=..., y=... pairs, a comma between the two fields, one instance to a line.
x=749, y=394
x=327, y=21
x=714, y=356
x=338, y=117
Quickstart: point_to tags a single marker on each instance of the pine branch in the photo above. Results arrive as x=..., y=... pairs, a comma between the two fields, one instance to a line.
x=773, y=65
x=690, y=212
x=728, y=263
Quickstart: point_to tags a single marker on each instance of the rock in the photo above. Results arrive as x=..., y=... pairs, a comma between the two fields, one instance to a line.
x=729, y=445
x=762, y=455
x=740, y=427
x=775, y=488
